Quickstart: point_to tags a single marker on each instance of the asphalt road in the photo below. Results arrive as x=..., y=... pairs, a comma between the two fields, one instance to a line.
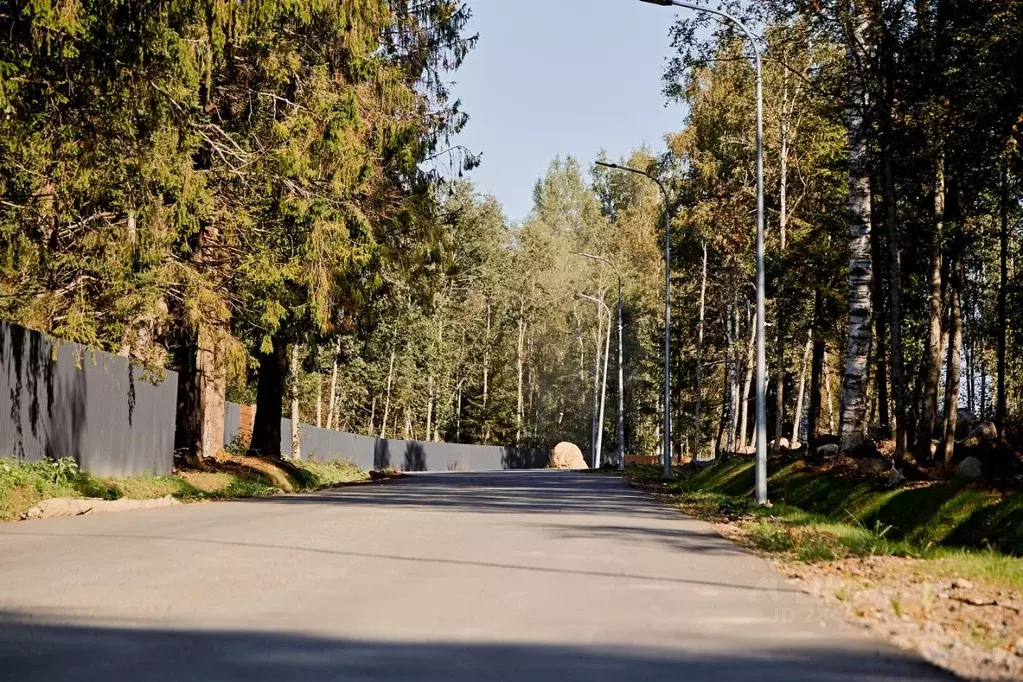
x=535, y=576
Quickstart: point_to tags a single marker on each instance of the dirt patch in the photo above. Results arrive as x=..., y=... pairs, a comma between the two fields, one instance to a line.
x=77, y=506
x=974, y=630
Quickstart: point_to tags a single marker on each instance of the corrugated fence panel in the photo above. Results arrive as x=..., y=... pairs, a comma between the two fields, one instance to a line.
x=322, y=445
x=63, y=400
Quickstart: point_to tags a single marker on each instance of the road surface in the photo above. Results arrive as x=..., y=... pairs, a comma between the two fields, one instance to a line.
x=536, y=576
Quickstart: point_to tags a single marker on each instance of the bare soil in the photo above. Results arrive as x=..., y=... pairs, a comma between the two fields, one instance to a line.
x=969, y=627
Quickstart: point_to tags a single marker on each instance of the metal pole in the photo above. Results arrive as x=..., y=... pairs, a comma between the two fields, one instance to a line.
x=761, y=465
x=598, y=430
x=603, y=392
x=621, y=361
x=666, y=455
x=761, y=459
x=621, y=385
x=667, y=331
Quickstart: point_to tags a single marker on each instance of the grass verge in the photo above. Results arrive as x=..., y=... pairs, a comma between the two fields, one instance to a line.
x=961, y=527
x=23, y=485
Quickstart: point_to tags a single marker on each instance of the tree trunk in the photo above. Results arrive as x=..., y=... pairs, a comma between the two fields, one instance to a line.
x=783, y=221
x=296, y=436
x=372, y=417
x=881, y=341
x=212, y=369
x=747, y=384
x=486, y=376
x=273, y=373
x=1003, y=286
x=188, y=418
x=968, y=357
x=319, y=400
x=699, y=356
x=202, y=391
x=603, y=395
x=983, y=382
x=797, y=417
x=888, y=151
x=732, y=382
x=390, y=383
x=429, y=412
x=952, y=370
x=930, y=375
x=854, y=385
x=333, y=388
x=829, y=395
x=458, y=416
x=813, y=428
x=520, y=361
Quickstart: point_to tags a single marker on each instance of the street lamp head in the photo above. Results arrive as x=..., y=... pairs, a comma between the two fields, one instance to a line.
x=662, y=3
x=609, y=165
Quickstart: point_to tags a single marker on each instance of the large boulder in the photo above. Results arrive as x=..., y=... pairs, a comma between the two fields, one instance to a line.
x=827, y=450
x=567, y=456
x=984, y=431
x=970, y=468
x=872, y=467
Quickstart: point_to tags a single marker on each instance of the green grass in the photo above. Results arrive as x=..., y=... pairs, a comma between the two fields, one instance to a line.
x=962, y=528
x=957, y=514
x=23, y=485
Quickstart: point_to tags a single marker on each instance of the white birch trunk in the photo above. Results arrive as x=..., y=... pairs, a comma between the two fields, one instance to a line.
x=854, y=385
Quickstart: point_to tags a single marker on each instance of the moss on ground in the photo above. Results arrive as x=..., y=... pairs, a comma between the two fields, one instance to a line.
x=23, y=485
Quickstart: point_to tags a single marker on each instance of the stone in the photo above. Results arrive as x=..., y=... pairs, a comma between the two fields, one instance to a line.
x=962, y=584
x=783, y=444
x=828, y=450
x=567, y=456
x=984, y=431
x=871, y=467
x=970, y=467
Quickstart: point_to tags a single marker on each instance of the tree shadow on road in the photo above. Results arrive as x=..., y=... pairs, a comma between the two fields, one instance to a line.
x=687, y=540
x=35, y=651
x=502, y=492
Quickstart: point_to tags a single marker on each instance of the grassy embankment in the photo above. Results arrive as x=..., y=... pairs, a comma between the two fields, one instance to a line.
x=22, y=485
x=965, y=528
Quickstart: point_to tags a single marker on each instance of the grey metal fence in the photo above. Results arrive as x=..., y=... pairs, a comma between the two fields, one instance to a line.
x=368, y=452
x=60, y=399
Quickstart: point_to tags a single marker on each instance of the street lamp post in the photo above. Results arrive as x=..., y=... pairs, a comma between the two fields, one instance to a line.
x=666, y=455
x=621, y=370
x=761, y=462
x=599, y=440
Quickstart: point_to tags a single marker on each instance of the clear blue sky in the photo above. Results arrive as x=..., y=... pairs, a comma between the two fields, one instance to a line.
x=561, y=77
